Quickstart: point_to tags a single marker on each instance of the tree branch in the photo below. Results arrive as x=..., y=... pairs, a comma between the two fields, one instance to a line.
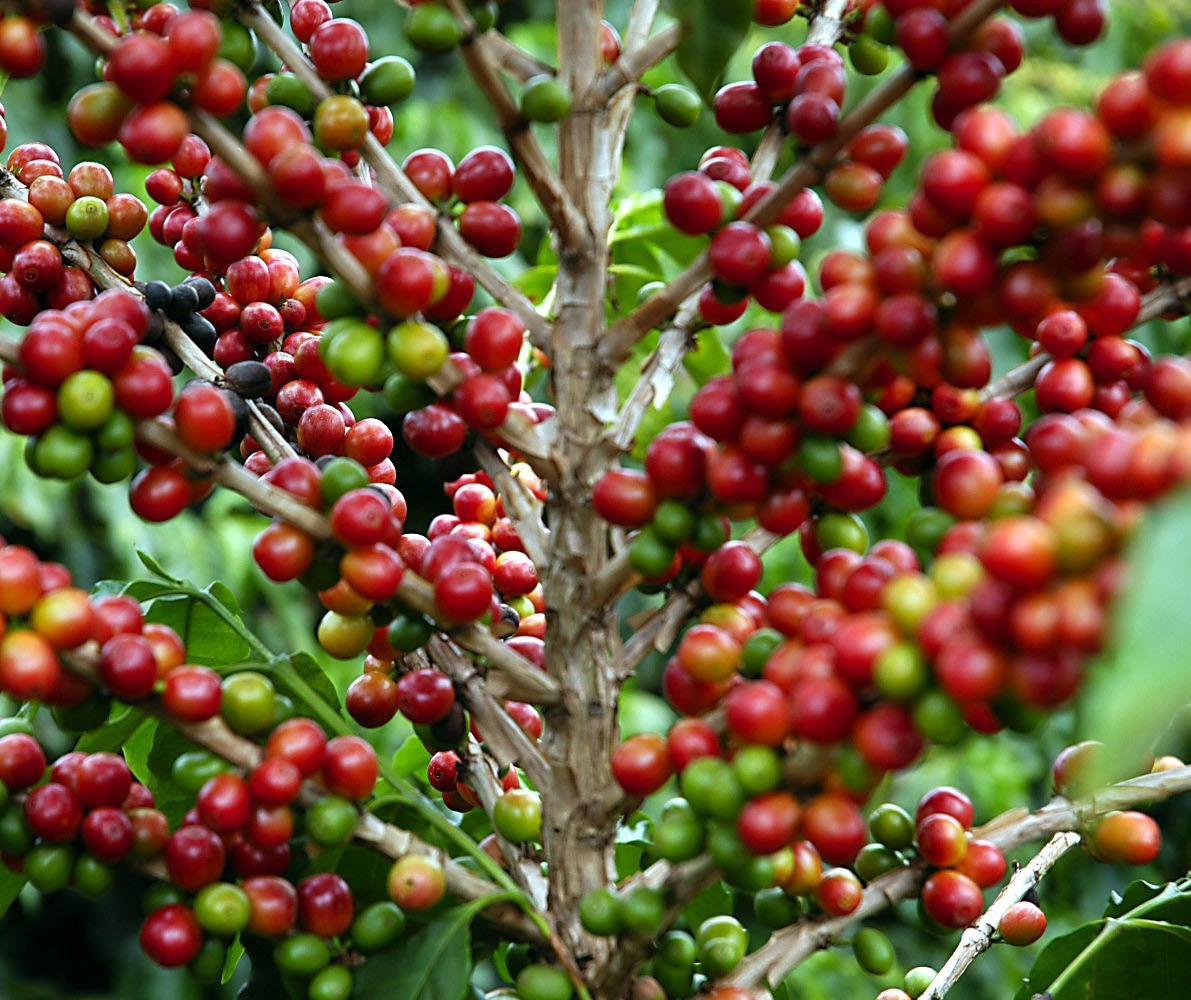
x=1170, y=295
x=506, y=740
x=978, y=938
x=634, y=63
x=792, y=945
x=808, y=170
x=521, y=507
x=640, y=24
x=513, y=59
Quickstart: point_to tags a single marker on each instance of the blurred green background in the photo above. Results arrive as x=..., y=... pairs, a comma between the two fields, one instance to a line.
x=66, y=947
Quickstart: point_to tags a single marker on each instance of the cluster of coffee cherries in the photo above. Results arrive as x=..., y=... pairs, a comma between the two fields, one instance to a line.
x=228, y=866
x=803, y=87
x=713, y=200
x=169, y=56
x=820, y=867
x=85, y=377
x=85, y=203
x=478, y=568
x=338, y=50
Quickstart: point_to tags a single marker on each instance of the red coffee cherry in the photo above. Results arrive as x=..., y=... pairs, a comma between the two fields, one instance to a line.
x=171, y=936
x=641, y=764
x=952, y=899
x=350, y=768
x=1022, y=924
x=325, y=904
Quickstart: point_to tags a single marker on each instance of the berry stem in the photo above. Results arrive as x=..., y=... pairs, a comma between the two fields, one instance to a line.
x=978, y=938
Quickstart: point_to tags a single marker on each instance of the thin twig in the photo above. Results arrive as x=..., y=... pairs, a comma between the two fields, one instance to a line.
x=513, y=59
x=523, y=509
x=1163, y=299
x=635, y=63
x=640, y=24
x=978, y=938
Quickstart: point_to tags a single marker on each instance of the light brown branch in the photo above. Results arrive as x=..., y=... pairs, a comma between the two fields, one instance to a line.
x=513, y=59
x=521, y=506
x=512, y=676
x=634, y=63
x=506, y=740
x=978, y=938
x=1170, y=295
x=543, y=180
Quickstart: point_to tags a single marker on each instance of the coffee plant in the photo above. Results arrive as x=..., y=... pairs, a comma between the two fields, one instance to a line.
x=819, y=509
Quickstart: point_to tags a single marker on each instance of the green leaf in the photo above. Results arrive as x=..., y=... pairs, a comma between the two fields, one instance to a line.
x=1140, y=947
x=221, y=592
x=113, y=734
x=11, y=885
x=209, y=638
x=1136, y=893
x=712, y=31
x=1143, y=679
x=167, y=746
x=433, y=964
x=709, y=358
x=411, y=758
x=235, y=951
x=300, y=676
x=154, y=567
x=1056, y=957
x=536, y=282
x=716, y=898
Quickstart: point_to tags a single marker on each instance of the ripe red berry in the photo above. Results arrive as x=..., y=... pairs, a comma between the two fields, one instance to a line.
x=171, y=936
x=350, y=768
x=325, y=904
x=1022, y=924
x=641, y=764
